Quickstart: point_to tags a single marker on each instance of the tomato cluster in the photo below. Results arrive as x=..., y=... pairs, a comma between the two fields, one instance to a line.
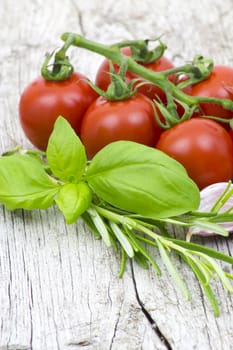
x=204, y=146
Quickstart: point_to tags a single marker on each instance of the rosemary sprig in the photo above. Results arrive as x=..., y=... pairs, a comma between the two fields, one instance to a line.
x=133, y=234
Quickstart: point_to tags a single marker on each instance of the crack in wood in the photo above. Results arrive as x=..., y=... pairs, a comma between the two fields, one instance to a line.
x=147, y=314
x=81, y=343
x=114, y=333
x=80, y=18
x=30, y=309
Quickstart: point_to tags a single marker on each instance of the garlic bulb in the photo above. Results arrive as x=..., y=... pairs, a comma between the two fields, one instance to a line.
x=218, y=198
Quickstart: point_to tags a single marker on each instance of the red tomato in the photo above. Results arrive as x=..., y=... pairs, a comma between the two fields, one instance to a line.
x=43, y=101
x=150, y=90
x=107, y=121
x=231, y=133
x=204, y=148
x=220, y=85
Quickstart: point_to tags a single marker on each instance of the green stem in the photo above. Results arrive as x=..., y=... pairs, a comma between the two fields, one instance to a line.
x=123, y=263
x=113, y=53
x=128, y=43
x=158, y=78
x=185, y=69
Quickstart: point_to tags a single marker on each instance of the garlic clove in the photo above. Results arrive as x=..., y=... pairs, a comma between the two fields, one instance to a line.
x=208, y=197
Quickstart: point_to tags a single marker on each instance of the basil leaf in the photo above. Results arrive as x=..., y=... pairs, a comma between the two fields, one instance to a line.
x=73, y=200
x=65, y=152
x=142, y=180
x=25, y=184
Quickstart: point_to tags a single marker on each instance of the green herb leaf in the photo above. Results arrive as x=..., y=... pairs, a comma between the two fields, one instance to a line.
x=142, y=180
x=143, y=251
x=123, y=263
x=122, y=239
x=88, y=221
x=25, y=184
x=65, y=152
x=100, y=226
x=197, y=265
x=202, y=279
x=211, y=227
x=220, y=273
x=73, y=200
x=141, y=260
x=173, y=271
x=202, y=249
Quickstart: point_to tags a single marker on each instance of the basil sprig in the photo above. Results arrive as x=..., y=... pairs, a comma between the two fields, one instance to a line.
x=123, y=194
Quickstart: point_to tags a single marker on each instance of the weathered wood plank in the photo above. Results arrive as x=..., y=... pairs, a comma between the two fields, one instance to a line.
x=59, y=286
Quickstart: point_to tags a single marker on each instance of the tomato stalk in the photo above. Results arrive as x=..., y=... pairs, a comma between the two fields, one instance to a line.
x=158, y=78
x=141, y=52
x=61, y=67
x=170, y=114
x=199, y=69
x=118, y=88
x=113, y=54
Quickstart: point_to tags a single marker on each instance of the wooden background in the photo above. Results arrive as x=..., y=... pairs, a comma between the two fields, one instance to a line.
x=59, y=288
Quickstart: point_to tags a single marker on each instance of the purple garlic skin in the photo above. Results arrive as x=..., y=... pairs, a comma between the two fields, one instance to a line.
x=208, y=197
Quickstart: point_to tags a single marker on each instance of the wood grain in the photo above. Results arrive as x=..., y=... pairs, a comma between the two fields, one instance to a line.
x=58, y=286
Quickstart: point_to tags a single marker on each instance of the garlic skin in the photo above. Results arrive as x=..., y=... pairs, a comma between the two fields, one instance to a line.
x=208, y=197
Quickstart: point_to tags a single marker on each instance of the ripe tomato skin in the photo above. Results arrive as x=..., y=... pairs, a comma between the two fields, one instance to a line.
x=219, y=84
x=108, y=121
x=43, y=101
x=102, y=79
x=203, y=147
x=231, y=134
